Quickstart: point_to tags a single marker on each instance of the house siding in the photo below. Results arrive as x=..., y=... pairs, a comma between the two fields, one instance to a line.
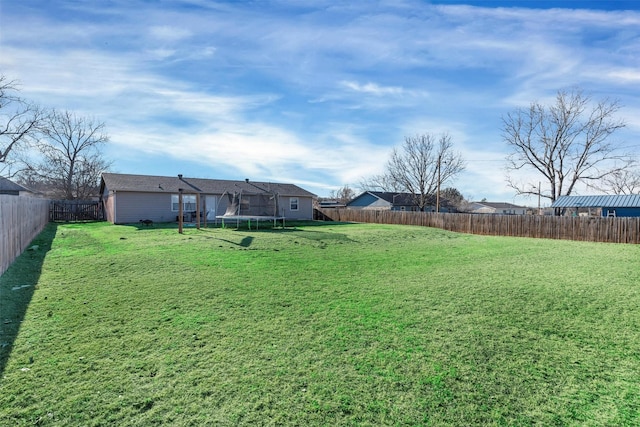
x=484, y=210
x=305, y=208
x=130, y=207
x=626, y=212
x=109, y=209
x=623, y=205
x=497, y=209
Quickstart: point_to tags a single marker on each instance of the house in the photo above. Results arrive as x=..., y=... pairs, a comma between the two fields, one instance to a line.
x=131, y=198
x=382, y=200
x=496, y=208
x=606, y=205
x=331, y=204
x=11, y=188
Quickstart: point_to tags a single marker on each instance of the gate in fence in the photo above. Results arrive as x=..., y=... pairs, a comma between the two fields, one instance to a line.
x=75, y=210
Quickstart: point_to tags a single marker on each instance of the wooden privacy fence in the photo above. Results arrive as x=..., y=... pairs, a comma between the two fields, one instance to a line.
x=21, y=219
x=75, y=210
x=592, y=229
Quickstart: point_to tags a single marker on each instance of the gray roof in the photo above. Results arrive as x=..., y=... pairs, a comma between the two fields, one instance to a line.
x=616, y=201
x=499, y=205
x=397, y=199
x=171, y=184
x=7, y=186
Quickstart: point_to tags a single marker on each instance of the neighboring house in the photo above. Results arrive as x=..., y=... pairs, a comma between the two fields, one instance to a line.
x=11, y=188
x=131, y=198
x=380, y=200
x=616, y=205
x=496, y=208
x=331, y=204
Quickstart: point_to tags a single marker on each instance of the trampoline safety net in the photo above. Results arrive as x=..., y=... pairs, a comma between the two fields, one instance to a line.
x=252, y=205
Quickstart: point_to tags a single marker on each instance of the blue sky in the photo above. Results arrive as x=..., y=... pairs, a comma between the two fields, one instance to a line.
x=316, y=92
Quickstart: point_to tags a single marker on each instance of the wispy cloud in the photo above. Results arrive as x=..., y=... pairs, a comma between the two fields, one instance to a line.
x=315, y=92
x=627, y=75
x=373, y=89
x=166, y=33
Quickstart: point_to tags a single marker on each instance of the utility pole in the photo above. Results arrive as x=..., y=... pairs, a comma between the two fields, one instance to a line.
x=539, y=210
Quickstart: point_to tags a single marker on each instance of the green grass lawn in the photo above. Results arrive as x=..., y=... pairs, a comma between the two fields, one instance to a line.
x=339, y=324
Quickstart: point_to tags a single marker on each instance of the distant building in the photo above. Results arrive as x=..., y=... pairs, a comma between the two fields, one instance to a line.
x=383, y=200
x=496, y=208
x=331, y=204
x=11, y=188
x=605, y=205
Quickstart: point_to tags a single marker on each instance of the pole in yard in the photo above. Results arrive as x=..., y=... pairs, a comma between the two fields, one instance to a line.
x=204, y=210
x=198, y=211
x=180, y=211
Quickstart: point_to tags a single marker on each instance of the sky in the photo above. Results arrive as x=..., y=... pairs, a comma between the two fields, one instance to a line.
x=319, y=92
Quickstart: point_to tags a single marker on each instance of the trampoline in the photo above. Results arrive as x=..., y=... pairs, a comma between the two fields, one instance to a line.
x=255, y=206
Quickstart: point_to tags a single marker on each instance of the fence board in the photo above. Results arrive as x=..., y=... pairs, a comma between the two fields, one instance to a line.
x=21, y=219
x=591, y=229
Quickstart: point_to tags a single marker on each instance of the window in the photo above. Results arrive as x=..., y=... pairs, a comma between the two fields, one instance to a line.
x=293, y=204
x=188, y=203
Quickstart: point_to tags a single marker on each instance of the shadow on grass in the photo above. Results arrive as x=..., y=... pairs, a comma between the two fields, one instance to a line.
x=17, y=286
x=290, y=225
x=243, y=225
x=245, y=242
x=312, y=233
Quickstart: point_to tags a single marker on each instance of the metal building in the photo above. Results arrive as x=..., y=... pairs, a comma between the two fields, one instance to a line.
x=607, y=206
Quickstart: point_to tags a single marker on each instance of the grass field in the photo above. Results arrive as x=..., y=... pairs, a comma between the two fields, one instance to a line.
x=339, y=324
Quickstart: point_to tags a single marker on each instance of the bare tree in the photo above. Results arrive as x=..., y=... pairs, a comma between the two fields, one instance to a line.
x=567, y=143
x=343, y=195
x=623, y=181
x=71, y=159
x=452, y=198
x=421, y=166
x=382, y=182
x=19, y=123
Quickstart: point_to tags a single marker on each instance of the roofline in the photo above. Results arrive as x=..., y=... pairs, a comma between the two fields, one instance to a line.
x=598, y=201
x=198, y=191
